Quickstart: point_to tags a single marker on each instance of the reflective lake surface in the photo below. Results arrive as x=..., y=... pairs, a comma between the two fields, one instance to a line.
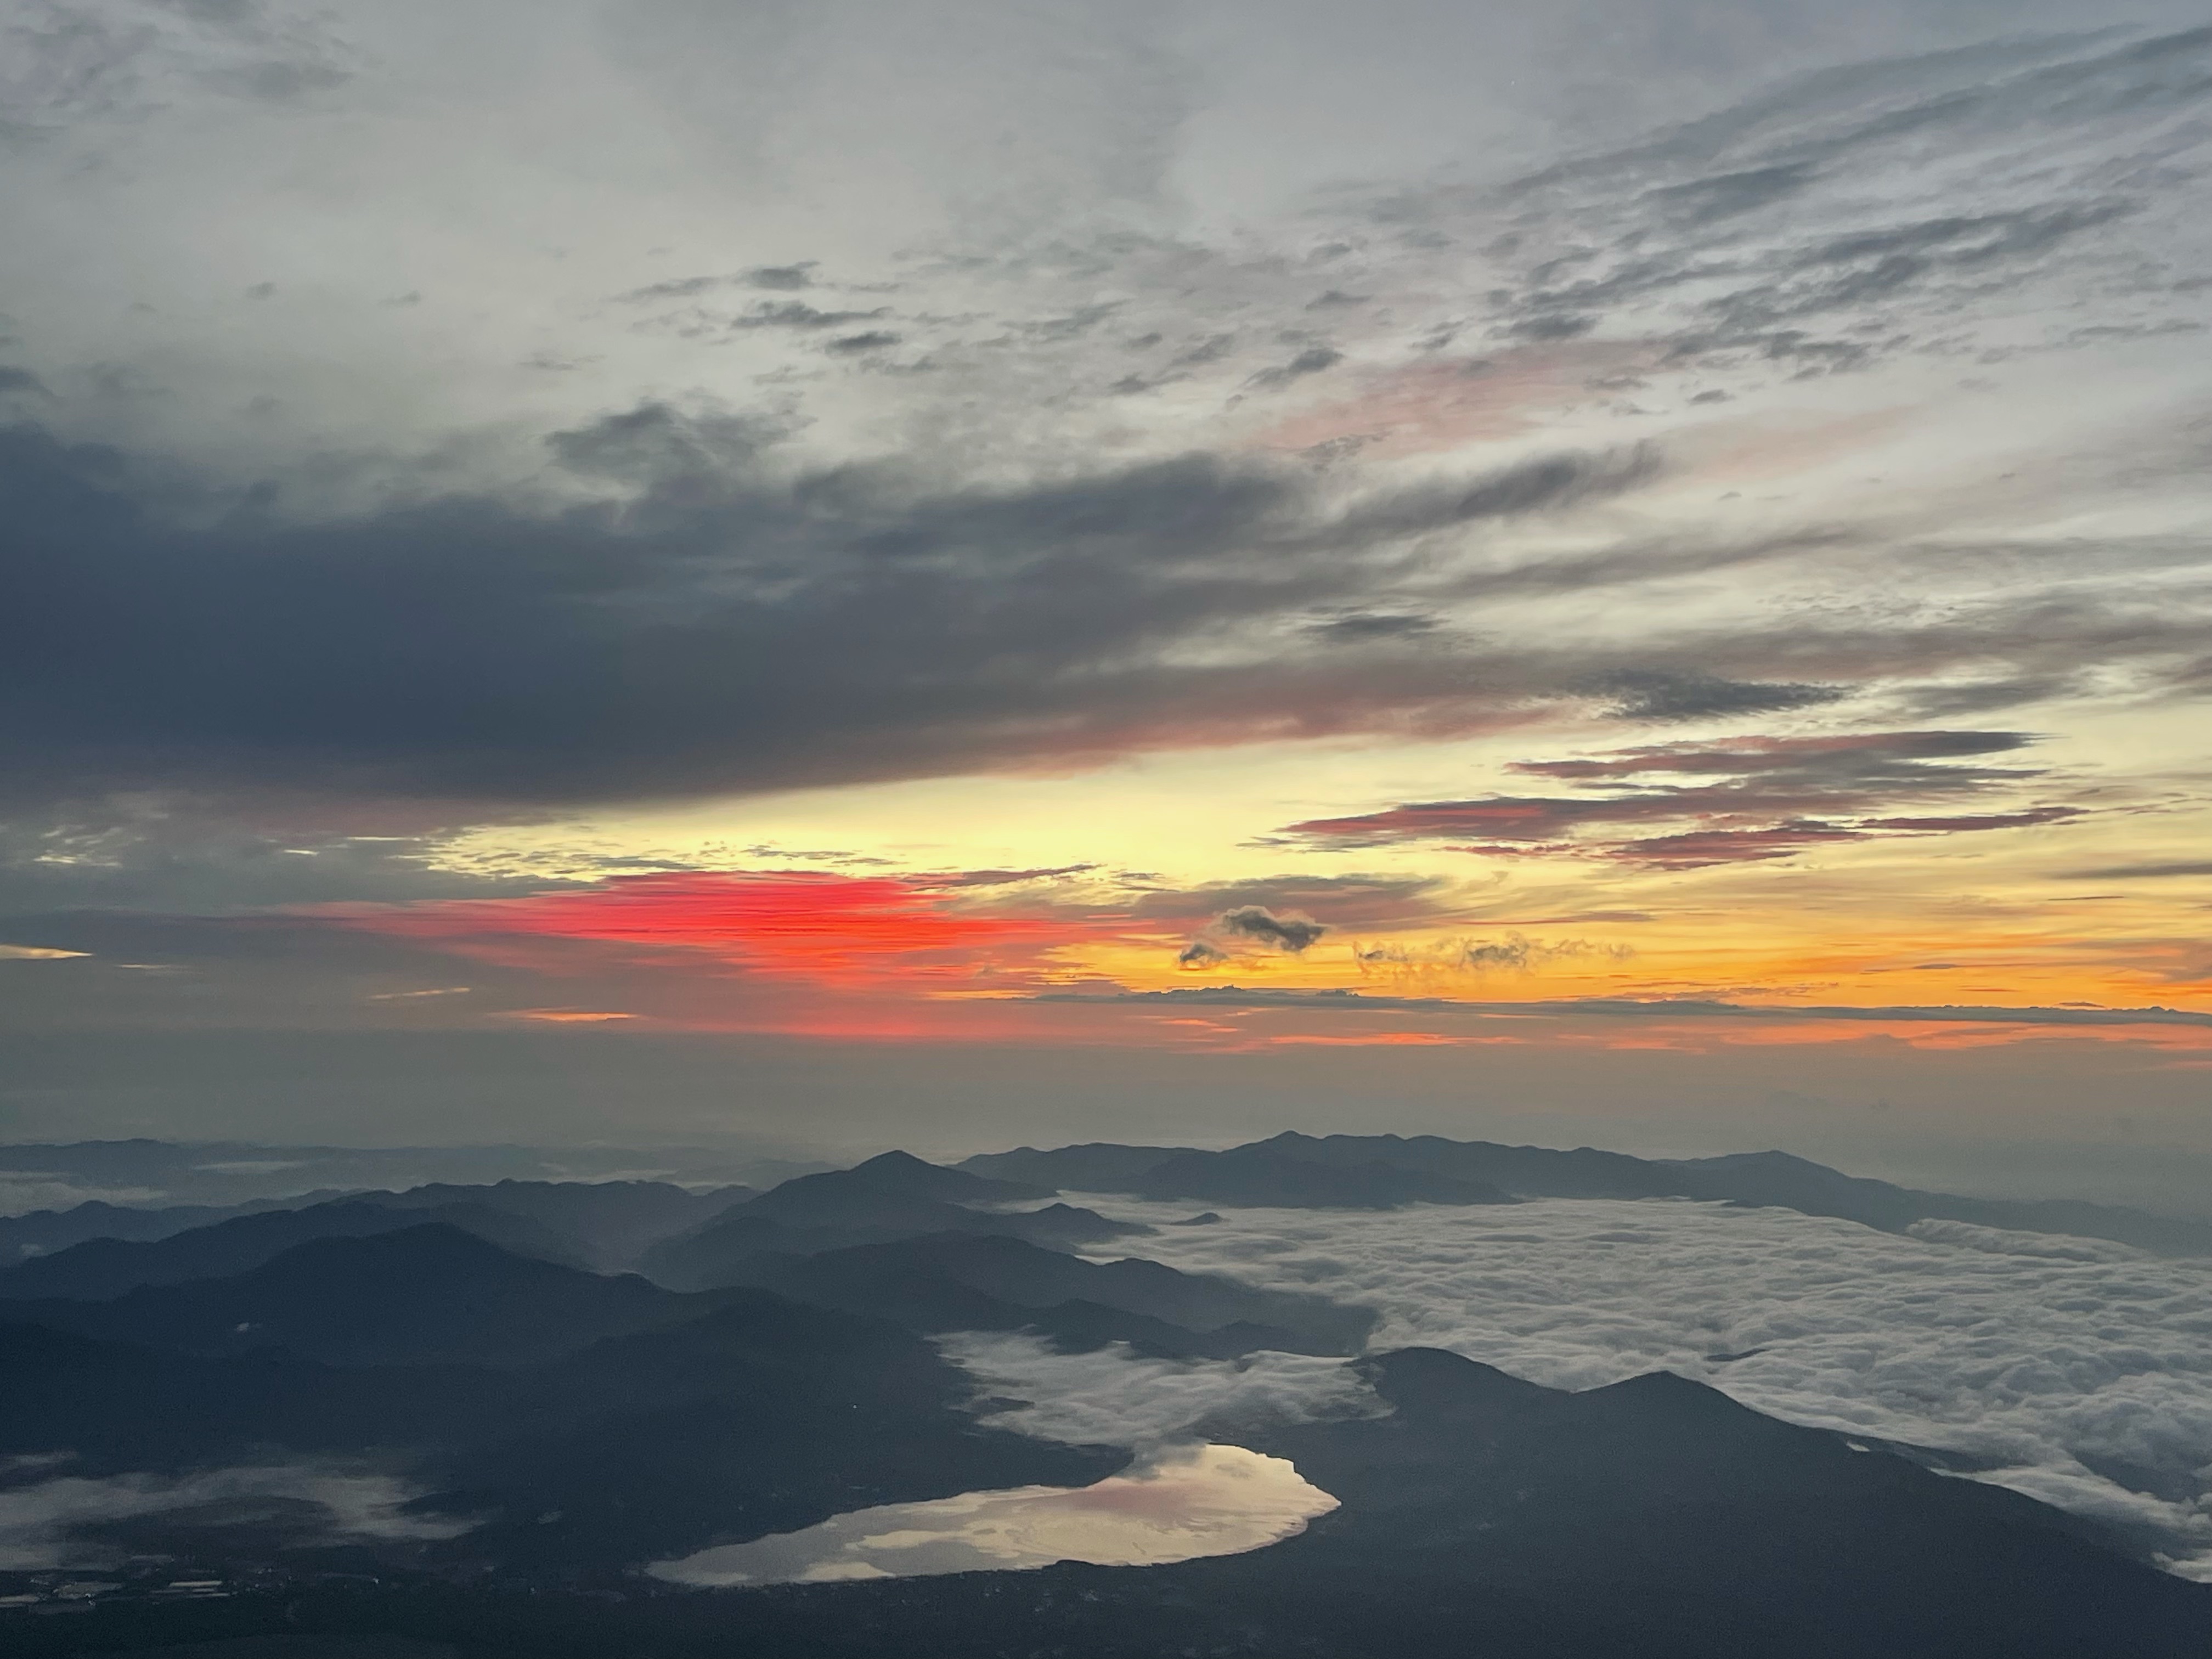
x=1177, y=1505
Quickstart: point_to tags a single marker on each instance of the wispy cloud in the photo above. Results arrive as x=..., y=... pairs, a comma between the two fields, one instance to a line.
x=1771, y=798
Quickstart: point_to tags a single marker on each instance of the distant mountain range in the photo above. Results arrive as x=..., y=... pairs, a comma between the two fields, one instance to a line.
x=1378, y=1171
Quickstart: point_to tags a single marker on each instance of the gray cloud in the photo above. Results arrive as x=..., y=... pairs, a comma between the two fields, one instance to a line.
x=1293, y=933
x=1719, y=250
x=1663, y=696
x=1774, y=797
x=713, y=629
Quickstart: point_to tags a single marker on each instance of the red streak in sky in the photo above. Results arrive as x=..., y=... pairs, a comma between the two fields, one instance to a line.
x=840, y=931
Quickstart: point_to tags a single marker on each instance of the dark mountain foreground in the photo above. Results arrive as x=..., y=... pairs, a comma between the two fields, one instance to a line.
x=1653, y=1519
x=381, y=1441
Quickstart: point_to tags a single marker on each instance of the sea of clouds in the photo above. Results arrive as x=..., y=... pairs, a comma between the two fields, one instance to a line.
x=2077, y=1371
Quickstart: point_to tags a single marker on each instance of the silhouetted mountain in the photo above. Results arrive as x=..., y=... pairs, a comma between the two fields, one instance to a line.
x=1796, y=1183
x=1755, y=1178
x=887, y=1198
x=1524, y=1171
x=604, y=1225
x=417, y=1295
x=234, y=1173
x=719, y=1255
x=42, y=1231
x=962, y=1281
x=1262, y=1175
x=104, y=1267
x=890, y=1174
x=1098, y=1166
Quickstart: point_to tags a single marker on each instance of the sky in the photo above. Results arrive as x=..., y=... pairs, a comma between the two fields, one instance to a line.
x=961, y=572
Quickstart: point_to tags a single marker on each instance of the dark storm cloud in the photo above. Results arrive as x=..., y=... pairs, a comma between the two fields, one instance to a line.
x=1656, y=1008
x=708, y=630
x=1754, y=799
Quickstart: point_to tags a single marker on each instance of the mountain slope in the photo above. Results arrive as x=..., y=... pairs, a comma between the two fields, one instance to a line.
x=417, y=1295
x=960, y=1281
x=890, y=1197
x=100, y=1268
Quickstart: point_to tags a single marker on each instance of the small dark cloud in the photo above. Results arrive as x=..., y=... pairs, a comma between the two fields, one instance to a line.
x=1985, y=697
x=797, y=313
x=1312, y=360
x=1556, y=325
x=678, y=288
x=786, y=278
x=659, y=446
x=1513, y=951
x=1957, y=823
x=1362, y=625
x=853, y=345
x=1199, y=954
x=1700, y=849
x=1545, y=483
x=1357, y=901
x=1212, y=348
x=1293, y=933
x=1673, y=696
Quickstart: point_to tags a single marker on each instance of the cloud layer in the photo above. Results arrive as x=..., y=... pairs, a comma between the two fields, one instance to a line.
x=2082, y=1377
